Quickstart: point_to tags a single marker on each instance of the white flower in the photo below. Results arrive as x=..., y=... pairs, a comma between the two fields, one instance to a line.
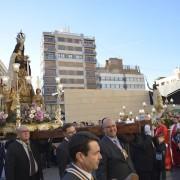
x=46, y=115
x=38, y=109
x=33, y=111
x=31, y=116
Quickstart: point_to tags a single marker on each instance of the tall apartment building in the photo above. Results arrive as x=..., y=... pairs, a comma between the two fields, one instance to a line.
x=72, y=57
x=115, y=75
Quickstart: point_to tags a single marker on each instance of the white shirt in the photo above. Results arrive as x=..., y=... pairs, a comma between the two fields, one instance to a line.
x=117, y=141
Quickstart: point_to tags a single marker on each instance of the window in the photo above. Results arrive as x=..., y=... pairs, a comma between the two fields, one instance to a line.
x=69, y=40
x=78, y=48
x=78, y=57
x=49, y=39
x=49, y=56
x=61, y=39
x=61, y=47
x=70, y=48
x=49, y=47
x=77, y=41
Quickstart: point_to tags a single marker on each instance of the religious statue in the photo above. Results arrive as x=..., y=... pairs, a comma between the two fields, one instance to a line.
x=38, y=99
x=18, y=79
x=157, y=98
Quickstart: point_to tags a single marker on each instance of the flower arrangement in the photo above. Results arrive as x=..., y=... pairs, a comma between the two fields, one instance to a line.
x=38, y=115
x=3, y=117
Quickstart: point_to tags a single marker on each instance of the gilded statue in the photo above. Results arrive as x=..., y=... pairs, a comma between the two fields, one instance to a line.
x=38, y=99
x=25, y=89
x=156, y=97
x=6, y=98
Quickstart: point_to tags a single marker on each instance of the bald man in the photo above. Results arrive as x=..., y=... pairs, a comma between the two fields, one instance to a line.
x=116, y=162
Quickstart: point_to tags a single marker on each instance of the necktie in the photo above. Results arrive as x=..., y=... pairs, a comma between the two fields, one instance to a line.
x=31, y=161
x=123, y=151
x=117, y=144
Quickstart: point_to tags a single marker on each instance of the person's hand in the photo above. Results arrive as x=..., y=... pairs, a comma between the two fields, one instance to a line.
x=160, y=139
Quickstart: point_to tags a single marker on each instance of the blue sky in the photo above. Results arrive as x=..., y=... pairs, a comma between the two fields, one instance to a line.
x=142, y=32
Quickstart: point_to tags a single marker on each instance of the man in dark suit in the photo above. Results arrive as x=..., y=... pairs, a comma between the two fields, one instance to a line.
x=116, y=162
x=62, y=152
x=22, y=159
x=85, y=154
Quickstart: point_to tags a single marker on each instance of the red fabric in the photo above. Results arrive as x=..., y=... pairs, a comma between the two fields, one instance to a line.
x=162, y=129
x=175, y=153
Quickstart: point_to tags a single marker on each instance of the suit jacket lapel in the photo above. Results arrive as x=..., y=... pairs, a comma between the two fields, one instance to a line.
x=115, y=147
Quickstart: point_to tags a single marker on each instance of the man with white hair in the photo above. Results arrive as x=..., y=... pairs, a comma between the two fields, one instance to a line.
x=22, y=160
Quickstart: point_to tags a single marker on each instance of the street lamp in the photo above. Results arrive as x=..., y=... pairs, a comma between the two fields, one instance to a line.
x=172, y=103
x=124, y=110
x=60, y=93
x=141, y=114
x=121, y=117
x=18, y=107
x=130, y=119
x=144, y=104
x=171, y=100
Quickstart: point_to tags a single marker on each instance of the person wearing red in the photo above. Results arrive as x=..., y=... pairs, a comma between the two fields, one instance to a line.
x=162, y=129
x=175, y=129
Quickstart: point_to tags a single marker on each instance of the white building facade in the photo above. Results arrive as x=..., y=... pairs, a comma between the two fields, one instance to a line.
x=170, y=84
x=117, y=76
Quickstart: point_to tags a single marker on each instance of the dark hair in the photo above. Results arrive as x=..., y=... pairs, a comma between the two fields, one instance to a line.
x=80, y=143
x=66, y=126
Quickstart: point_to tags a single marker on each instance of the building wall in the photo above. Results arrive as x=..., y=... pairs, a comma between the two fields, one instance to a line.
x=170, y=84
x=71, y=57
x=92, y=105
x=117, y=81
x=117, y=76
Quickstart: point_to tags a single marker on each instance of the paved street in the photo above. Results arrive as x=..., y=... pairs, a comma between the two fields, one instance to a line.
x=52, y=174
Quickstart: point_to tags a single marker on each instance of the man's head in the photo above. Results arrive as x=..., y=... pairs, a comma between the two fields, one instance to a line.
x=23, y=133
x=69, y=130
x=85, y=151
x=109, y=127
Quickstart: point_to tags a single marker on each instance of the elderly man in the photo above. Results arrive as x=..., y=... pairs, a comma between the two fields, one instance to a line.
x=116, y=162
x=85, y=154
x=22, y=159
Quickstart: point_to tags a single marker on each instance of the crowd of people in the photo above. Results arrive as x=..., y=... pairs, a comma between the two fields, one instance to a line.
x=84, y=156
